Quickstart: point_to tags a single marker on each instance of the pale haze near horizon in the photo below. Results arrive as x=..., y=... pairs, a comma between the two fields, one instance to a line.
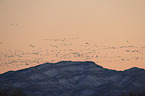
x=104, y=22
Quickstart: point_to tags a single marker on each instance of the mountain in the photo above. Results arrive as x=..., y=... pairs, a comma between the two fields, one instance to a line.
x=67, y=78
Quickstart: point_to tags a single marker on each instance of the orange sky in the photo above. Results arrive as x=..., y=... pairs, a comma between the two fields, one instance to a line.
x=102, y=22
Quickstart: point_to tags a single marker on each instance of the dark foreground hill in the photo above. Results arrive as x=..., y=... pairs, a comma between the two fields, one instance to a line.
x=69, y=78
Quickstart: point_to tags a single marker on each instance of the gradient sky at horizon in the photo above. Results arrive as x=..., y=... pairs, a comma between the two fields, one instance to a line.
x=101, y=22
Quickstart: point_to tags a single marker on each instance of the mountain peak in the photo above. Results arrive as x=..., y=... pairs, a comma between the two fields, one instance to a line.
x=134, y=69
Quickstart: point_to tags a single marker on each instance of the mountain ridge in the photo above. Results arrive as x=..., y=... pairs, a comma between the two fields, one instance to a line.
x=74, y=78
x=53, y=63
x=74, y=61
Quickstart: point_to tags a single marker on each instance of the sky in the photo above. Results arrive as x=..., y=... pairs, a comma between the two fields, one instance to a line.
x=95, y=25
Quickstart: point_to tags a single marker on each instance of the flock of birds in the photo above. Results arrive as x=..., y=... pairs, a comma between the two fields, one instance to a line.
x=61, y=50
